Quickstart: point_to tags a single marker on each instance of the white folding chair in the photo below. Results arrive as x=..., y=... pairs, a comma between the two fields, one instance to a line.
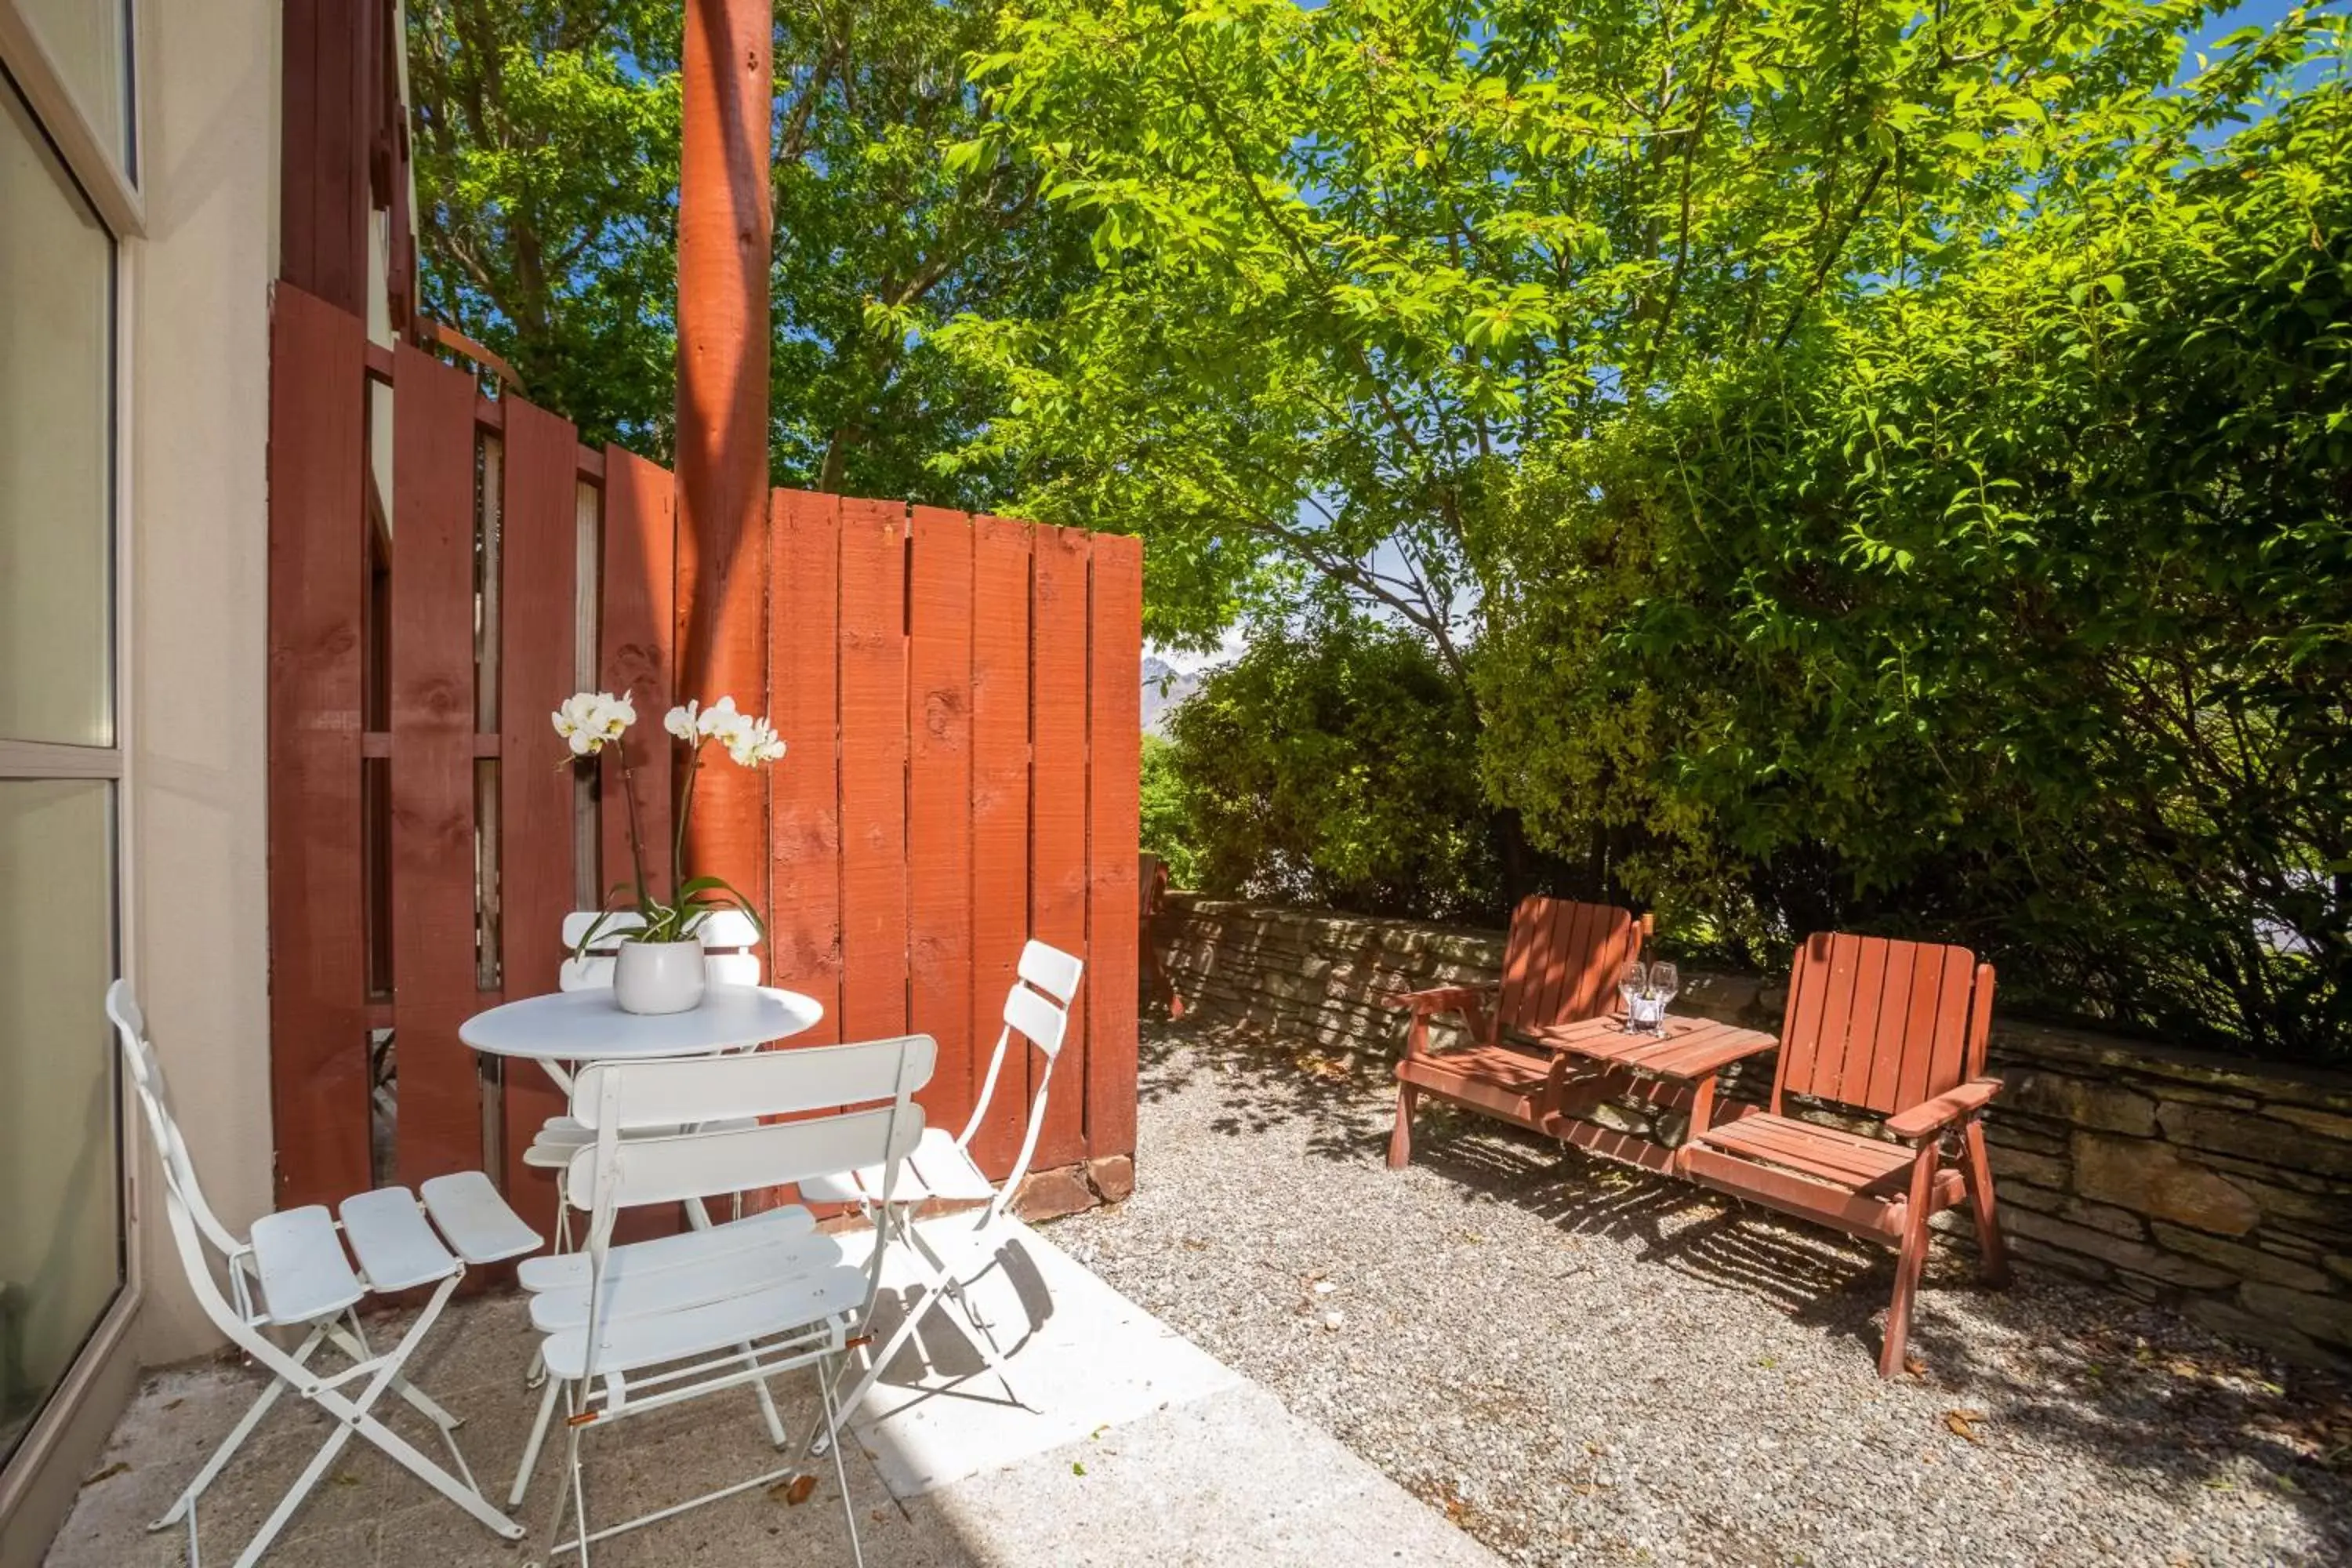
x=957, y=1255
x=729, y=957
x=641, y=1327
x=292, y=1272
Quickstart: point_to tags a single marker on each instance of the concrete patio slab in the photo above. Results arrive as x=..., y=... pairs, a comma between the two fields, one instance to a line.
x=1081, y=1357
x=1134, y=1448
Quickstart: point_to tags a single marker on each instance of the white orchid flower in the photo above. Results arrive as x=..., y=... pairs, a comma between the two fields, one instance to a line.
x=756, y=741
x=589, y=719
x=722, y=723
x=617, y=713
x=680, y=721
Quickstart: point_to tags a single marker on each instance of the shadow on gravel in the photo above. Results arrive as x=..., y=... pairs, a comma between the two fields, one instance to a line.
x=2129, y=1384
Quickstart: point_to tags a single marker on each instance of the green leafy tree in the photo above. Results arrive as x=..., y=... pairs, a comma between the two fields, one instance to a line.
x=1353, y=257
x=545, y=147
x=547, y=170
x=2012, y=608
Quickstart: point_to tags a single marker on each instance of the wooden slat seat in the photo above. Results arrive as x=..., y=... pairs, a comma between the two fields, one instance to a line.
x=1843, y=1159
x=1493, y=1078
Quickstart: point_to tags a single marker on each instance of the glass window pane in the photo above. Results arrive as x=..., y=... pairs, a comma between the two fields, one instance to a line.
x=57, y=294
x=89, y=42
x=60, y=1224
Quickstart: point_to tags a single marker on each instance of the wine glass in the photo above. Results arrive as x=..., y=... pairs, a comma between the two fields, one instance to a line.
x=1631, y=981
x=1666, y=980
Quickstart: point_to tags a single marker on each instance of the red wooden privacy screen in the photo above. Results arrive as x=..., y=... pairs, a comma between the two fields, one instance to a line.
x=959, y=694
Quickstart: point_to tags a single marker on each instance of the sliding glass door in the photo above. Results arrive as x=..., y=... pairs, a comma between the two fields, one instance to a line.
x=61, y=1223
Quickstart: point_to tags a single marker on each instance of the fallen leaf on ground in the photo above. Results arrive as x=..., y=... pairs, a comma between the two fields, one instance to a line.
x=1963, y=1424
x=1915, y=1366
x=794, y=1492
x=107, y=1474
x=1194, y=1243
x=1076, y=1468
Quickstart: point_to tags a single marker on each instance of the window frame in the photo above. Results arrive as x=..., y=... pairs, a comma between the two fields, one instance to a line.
x=28, y=69
x=88, y=154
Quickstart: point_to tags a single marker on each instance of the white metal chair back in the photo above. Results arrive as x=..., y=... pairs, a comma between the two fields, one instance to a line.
x=1037, y=1008
x=193, y=1224
x=618, y=1170
x=729, y=948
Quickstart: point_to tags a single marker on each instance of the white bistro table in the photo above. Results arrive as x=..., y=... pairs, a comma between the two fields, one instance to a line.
x=568, y=1026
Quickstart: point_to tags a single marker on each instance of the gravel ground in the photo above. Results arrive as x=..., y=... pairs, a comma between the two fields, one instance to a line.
x=1578, y=1363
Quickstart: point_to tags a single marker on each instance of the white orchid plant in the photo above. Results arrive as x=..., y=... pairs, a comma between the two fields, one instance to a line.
x=591, y=720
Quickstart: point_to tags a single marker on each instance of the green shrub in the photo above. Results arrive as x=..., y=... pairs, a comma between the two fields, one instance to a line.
x=1166, y=831
x=2016, y=610
x=1335, y=767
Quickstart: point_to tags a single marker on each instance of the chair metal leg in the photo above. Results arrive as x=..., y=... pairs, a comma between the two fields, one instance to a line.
x=279, y=1516
x=183, y=1507
x=531, y=1447
x=572, y=1494
x=839, y=1405
x=355, y=1415
x=840, y=1466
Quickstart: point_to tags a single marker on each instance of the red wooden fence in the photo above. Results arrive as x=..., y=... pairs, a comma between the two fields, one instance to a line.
x=960, y=695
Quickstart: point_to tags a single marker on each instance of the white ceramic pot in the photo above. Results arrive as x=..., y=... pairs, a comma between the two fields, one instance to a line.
x=659, y=976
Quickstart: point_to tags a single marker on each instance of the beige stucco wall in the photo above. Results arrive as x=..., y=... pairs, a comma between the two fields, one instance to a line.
x=197, y=610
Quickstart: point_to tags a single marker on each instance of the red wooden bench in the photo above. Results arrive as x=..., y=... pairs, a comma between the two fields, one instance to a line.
x=1560, y=964
x=1897, y=1029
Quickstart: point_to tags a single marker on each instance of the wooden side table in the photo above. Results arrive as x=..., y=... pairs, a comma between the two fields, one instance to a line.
x=1672, y=1069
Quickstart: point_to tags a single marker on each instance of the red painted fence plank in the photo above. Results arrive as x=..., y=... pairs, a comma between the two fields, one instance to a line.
x=318, y=952
x=433, y=764
x=939, y=818
x=538, y=666
x=1114, y=743
x=1057, y=889
x=1000, y=816
x=804, y=830
x=960, y=699
x=873, y=769
x=635, y=635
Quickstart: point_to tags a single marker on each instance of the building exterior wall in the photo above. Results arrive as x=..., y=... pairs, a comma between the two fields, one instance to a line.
x=197, y=609
x=191, y=412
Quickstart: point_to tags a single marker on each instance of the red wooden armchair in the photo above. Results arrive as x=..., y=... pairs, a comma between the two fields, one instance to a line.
x=1560, y=964
x=1895, y=1027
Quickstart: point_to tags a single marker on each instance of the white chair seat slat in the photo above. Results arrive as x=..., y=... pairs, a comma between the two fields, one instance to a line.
x=304, y=1274
x=395, y=1249
x=690, y=1248
x=938, y=1169
x=476, y=1220
x=782, y=1258
x=630, y=1344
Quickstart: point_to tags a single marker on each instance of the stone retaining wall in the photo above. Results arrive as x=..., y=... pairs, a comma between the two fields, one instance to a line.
x=2221, y=1187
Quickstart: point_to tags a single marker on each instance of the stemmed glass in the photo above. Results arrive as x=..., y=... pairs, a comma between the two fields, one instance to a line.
x=1664, y=982
x=1631, y=981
